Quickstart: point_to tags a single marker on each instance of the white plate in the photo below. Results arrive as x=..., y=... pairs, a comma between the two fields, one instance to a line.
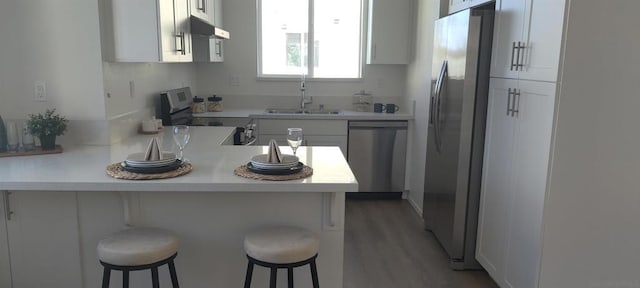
x=287, y=161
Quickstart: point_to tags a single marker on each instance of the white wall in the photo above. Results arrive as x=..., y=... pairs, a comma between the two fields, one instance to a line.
x=591, y=230
x=53, y=41
x=125, y=109
x=418, y=89
x=241, y=59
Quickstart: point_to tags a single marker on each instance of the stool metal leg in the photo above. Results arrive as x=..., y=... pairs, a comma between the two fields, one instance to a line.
x=106, y=277
x=249, y=275
x=314, y=274
x=290, y=276
x=154, y=277
x=174, y=275
x=274, y=278
x=125, y=279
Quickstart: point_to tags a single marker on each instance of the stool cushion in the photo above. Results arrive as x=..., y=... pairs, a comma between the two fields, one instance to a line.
x=137, y=246
x=281, y=245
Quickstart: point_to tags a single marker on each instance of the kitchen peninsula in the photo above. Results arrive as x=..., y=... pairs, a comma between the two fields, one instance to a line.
x=57, y=207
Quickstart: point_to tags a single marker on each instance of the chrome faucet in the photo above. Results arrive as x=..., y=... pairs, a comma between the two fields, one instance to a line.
x=303, y=100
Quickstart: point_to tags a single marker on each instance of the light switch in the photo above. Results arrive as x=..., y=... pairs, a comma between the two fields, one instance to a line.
x=40, y=91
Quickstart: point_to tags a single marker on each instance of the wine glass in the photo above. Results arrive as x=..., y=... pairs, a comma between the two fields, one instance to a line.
x=181, y=136
x=294, y=137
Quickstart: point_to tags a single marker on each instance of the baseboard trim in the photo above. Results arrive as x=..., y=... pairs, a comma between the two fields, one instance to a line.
x=374, y=195
x=415, y=206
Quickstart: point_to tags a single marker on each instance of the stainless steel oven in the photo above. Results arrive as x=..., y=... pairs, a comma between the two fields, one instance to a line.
x=175, y=109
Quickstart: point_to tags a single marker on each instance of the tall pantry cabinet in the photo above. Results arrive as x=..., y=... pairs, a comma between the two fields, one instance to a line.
x=559, y=199
x=522, y=94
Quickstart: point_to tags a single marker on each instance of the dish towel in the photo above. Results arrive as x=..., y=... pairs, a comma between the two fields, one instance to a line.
x=274, y=155
x=153, y=151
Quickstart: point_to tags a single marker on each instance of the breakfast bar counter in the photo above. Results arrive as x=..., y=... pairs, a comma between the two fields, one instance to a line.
x=68, y=200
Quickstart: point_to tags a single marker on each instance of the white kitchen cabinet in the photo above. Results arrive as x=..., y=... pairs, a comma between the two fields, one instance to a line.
x=514, y=180
x=206, y=49
x=459, y=5
x=218, y=47
x=204, y=9
x=527, y=39
x=146, y=31
x=316, y=132
x=5, y=266
x=388, y=38
x=43, y=240
x=496, y=175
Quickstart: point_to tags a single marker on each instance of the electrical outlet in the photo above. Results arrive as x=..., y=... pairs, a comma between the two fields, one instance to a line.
x=40, y=91
x=234, y=81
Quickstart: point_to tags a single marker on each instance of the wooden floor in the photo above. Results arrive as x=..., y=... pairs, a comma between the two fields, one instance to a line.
x=387, y=247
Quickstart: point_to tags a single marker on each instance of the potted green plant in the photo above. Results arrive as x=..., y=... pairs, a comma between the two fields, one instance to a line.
x=47, y=127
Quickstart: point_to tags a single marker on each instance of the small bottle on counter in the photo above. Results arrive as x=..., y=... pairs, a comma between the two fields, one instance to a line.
x=215, y=104
x=198, y=105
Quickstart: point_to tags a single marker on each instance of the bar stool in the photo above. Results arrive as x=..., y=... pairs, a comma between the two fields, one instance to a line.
x=136, y=249
x=281, y=247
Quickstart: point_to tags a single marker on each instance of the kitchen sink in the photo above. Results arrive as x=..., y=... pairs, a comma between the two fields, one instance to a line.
x=300, y=111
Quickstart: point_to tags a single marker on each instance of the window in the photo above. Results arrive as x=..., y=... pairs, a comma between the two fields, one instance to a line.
x=286, y=27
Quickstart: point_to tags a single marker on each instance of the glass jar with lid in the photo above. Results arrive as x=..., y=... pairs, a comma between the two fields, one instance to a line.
x=198, y=105
x=215, y=104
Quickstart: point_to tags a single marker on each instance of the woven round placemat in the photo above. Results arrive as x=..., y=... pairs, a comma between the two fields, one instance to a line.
x=116, y=171
x=242, y=171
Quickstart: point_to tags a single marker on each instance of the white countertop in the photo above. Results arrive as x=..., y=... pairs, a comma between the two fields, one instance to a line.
x=82, y=168
x=343, y=115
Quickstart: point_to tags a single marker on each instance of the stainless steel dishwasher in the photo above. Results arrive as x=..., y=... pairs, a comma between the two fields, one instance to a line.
x=377, y=155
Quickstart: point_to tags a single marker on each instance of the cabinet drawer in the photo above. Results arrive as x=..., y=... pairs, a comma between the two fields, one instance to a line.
x=309, y=127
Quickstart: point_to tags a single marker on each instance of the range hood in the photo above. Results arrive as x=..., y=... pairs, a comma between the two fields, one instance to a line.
x=204, y=28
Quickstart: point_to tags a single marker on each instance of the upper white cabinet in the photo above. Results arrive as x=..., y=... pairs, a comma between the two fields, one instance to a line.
x=206, y=49
x=43, y=240
x=389, y=32
x=204, y=9
x=527, y=39
x=516, y=162
x=458, y=5
x=146, y=31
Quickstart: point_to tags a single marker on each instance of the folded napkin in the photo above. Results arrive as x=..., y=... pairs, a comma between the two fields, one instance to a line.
x=153, y=151
x=274, y=155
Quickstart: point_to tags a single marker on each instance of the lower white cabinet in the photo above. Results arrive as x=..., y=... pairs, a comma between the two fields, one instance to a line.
x=41, y=240
x=5, y=266
x=516, y=160
x=316, y=132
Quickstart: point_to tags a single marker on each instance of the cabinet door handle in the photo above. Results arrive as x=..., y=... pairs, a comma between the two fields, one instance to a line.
x=509, y=101
x=513, y=53
x=519, y=63
x=7, y=205
x=516, y=103
x=219, y=48
x=202, y=6
x=182, y=49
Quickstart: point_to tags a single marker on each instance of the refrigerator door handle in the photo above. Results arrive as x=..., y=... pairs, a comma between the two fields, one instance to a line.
x=443, y=73
x=436, y=93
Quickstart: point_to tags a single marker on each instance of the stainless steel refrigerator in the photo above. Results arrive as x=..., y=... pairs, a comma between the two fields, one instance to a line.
x=457, y=117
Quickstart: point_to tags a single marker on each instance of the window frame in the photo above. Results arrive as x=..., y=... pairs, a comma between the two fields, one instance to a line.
x=310, y=49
